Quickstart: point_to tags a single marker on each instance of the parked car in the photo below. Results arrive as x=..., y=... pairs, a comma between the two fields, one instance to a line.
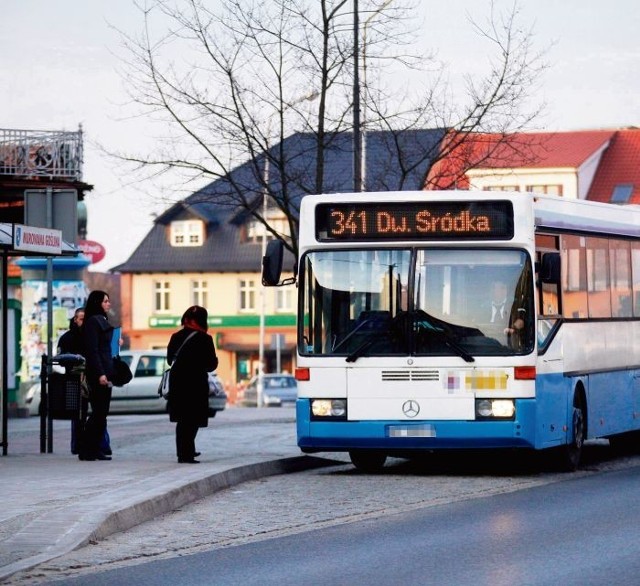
x=141, y=394
x=278, y=390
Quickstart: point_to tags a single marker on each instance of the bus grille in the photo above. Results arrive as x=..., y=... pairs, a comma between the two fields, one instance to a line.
x=410, y=375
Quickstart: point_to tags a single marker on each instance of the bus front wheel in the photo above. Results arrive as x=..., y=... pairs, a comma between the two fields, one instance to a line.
x=568, y=456
x=368, y=460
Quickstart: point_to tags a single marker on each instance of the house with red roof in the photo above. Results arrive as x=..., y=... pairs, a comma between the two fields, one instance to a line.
x=599, y=165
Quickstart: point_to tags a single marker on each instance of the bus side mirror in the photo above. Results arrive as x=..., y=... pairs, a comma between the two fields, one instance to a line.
x=550, y=269
x=272, y=263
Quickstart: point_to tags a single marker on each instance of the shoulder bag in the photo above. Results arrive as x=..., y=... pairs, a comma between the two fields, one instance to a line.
x=122, y=374
x=163, y=388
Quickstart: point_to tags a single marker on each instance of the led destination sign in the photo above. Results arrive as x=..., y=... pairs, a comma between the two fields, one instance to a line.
x=456, y=220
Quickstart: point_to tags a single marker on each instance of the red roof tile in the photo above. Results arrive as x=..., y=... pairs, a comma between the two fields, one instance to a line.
x=516, y=151
x=620, y=165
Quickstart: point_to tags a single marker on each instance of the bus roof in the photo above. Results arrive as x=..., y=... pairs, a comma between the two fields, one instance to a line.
x=587, y=216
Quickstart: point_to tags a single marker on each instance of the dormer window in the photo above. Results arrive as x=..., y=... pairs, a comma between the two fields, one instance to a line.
x=256, y=230
x=187, y=233
x=622, y=193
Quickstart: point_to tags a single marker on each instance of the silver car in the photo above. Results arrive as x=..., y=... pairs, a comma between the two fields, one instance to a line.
x=278, y=390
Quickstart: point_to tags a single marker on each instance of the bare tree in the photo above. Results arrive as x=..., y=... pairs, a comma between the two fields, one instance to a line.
x=231, y=85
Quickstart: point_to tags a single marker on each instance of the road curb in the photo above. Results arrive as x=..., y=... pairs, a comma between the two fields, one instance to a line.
x=104, y=519
x=149, y=508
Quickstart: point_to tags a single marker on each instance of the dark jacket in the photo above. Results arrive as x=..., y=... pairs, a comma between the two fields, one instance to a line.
x=97, y=341
x=72, y=341
x=189, y=382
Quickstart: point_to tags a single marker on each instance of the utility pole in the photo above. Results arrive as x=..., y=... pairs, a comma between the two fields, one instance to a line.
x=357, y=138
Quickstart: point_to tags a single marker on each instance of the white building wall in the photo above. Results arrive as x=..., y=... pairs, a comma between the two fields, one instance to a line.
x=522, y=178
x=223, y=295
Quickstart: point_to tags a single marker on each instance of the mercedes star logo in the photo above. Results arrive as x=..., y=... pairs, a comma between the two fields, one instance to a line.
x=411, y=408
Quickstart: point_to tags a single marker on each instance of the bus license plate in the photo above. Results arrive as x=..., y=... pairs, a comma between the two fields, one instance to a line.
x=411, y=431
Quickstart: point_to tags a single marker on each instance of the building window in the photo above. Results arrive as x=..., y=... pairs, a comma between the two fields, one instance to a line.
x=256, y=230
x=545, y=189
x=622, y=193
x=199, y=293
x=284, y=299
x=501, y=188
x=248, y=294
x=162, y=296
x=187, y=233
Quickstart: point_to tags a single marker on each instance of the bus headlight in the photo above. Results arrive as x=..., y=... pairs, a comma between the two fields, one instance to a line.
x=323, y=408
x=495, y=408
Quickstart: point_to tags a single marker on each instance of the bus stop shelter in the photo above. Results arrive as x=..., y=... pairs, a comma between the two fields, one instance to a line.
x=17, y=240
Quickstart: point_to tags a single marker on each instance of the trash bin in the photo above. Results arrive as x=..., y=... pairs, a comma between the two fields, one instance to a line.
x=65, y=390
x=64, y=396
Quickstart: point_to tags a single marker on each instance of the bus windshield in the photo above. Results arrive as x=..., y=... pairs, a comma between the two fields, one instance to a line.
x=462, y=302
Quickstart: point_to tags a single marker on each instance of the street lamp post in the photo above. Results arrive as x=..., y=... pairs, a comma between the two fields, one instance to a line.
x=260, y=385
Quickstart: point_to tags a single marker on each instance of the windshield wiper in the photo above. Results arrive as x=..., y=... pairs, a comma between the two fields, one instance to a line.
x=457, y=348
x=360, y=349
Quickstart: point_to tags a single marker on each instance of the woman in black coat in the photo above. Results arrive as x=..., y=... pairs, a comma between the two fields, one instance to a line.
x=189, y=381
x=99, y=371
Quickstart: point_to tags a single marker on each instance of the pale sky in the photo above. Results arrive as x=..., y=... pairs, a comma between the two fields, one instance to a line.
x=59, y=70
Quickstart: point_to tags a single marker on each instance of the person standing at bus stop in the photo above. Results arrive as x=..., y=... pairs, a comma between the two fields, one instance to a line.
x=192, y=355
x=72, y=342
x=99, y=371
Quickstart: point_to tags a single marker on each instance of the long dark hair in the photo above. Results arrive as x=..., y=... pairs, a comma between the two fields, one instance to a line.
x=94, y=304
x=196, y=317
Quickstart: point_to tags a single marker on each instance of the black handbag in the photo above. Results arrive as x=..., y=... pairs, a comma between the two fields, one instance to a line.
x=121, y=372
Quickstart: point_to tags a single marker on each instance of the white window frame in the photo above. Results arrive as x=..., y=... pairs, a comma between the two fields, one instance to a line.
x=199, y=292
x=256, y=230
x=547, y=189
x=247, y=295
x=187, y=233
x=162, y=296
x=284, y=301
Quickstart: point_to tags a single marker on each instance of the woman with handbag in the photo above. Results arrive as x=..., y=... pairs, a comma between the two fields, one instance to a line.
x=99, y=372
x=192, y=355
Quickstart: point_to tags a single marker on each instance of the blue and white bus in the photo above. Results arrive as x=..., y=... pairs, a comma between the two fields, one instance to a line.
x=399, y=349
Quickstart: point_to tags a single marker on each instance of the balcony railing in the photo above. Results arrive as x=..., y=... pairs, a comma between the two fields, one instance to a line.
x=41, y=153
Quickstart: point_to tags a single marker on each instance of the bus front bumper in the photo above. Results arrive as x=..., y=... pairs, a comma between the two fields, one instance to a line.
x=391, y=435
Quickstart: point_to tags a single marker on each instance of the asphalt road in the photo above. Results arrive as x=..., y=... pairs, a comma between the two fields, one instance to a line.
x=276, y=511
x=580, y=531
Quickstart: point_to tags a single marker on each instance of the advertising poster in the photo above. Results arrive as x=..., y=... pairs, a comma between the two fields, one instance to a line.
x=66, y=297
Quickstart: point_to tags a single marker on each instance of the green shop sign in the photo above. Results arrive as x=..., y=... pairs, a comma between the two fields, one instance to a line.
x=227, y=321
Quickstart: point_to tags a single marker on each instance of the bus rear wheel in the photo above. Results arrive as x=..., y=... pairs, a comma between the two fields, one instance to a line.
x=368, y=460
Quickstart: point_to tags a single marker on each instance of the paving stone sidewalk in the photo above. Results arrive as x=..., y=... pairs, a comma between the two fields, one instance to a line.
x=53, y=503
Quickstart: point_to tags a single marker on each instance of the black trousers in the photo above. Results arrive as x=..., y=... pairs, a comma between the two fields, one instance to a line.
x=100, y=400
x=186, y=439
